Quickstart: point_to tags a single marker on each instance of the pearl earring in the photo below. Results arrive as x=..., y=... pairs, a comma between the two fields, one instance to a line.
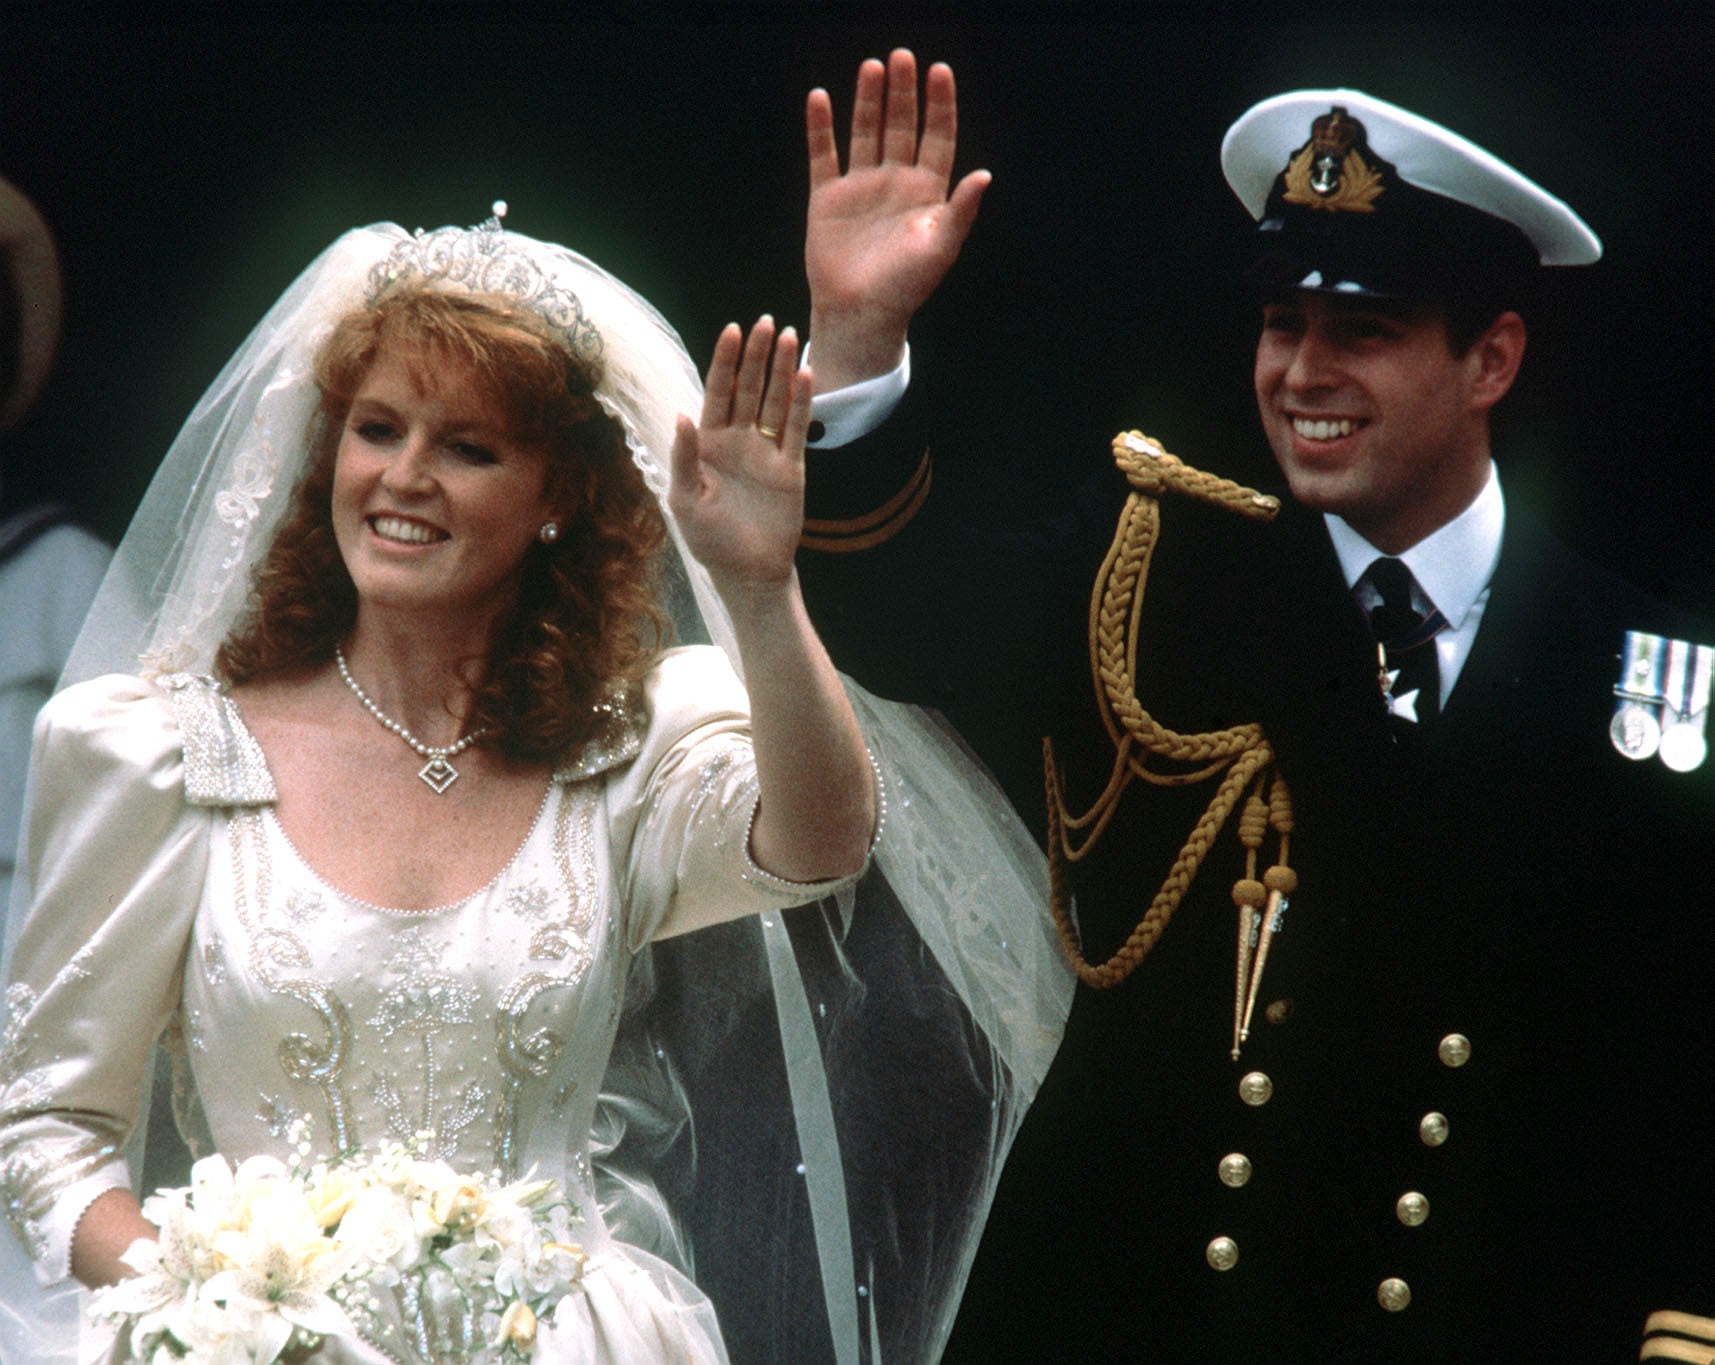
x=549, y=533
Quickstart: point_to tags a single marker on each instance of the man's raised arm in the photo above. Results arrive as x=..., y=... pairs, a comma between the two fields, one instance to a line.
x=881, y=235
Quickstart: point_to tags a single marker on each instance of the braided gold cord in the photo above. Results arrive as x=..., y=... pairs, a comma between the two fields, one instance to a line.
x=1241, y=752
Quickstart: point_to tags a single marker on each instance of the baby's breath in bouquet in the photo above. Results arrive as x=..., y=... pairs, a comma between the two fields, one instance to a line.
x=422, y=1261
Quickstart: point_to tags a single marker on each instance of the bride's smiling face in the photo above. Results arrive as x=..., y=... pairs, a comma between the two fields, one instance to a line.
x=435, y=503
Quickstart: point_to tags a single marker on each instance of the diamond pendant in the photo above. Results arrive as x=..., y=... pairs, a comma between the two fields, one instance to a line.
x=438, y=773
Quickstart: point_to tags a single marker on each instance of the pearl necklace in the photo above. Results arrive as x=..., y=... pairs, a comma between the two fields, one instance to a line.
x=437, y=773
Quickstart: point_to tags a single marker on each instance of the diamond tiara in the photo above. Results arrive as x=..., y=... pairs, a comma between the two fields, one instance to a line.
x=486, y=259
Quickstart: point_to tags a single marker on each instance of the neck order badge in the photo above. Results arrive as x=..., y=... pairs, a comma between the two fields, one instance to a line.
x=1405, y=644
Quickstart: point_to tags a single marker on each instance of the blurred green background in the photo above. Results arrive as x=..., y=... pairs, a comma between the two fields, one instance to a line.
x=192, y=163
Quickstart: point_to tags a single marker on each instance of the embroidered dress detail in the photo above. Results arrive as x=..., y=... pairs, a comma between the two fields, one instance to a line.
x=223, y=762
x=32, y=1178
x=274, y=950
x=396, y=1049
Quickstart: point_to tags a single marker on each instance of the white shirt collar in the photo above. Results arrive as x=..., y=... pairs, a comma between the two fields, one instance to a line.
x=1452, y=565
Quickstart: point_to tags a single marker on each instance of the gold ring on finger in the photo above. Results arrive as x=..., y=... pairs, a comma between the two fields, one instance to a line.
x=772, y=433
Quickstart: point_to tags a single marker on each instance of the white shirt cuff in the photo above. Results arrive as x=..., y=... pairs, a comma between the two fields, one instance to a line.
x=853, y=412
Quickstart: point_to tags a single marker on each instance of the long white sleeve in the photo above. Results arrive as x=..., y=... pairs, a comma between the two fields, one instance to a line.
x=116, y=861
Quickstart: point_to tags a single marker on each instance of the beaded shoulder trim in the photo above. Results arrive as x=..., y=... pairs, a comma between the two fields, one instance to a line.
x=223, y=762
x=622, y=721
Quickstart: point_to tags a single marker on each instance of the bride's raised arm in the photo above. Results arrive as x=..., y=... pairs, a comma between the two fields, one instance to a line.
x=738, y=496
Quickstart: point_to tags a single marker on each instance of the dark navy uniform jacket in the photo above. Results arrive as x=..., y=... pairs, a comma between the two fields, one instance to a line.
x=1504, y=875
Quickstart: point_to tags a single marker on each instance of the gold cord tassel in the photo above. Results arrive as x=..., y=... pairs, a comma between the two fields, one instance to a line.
x=1240, y=756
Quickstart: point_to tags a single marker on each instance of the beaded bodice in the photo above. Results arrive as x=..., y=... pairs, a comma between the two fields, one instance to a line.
x=474, y=1022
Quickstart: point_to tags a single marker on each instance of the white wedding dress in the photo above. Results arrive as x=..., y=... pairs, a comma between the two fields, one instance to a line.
x=169, y=898
x=805, y=1113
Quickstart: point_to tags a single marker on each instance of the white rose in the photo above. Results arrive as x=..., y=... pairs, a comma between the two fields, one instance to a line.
x=380, y=1229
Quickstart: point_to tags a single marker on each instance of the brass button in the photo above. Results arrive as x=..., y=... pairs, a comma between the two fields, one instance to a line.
x=1255, y=1088
x=1393, y=1294
x=1412, y=1209
x=1235, y=1170
x=1455, y=1050
x=1278, y=1011
x=1222, y=1253
x=1432, y=1128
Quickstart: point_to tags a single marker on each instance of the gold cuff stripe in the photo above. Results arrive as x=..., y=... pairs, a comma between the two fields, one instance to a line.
x=873, y=528
x=1684, y=1324
x=1672, y=1348
x=888, y=509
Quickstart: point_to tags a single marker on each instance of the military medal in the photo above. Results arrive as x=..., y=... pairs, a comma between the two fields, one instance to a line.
x=1404, y=705
x=1635, y=730
x=1683, y=746
x=1636, y=726
x=1686, y=713
x=1661, y=702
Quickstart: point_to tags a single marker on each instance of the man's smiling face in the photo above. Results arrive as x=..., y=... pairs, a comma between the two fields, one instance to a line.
x=1371, y=413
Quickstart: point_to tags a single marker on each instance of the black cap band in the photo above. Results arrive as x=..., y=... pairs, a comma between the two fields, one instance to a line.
x=1424, y=246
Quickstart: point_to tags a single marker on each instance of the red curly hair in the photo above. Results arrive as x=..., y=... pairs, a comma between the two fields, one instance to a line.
x=586, y=619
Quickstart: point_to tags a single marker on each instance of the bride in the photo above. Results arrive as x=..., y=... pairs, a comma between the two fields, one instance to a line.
x=375, y=843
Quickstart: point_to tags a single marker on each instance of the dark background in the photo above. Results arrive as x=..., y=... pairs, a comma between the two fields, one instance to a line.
x=191, y=165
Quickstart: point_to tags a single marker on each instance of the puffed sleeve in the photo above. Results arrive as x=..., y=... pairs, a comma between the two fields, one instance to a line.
x=116, y=861
x=681, y=811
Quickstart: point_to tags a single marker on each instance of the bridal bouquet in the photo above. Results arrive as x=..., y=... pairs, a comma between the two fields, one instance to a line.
x=405, y=1251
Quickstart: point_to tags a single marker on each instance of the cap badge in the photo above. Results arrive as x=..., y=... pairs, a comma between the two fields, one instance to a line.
x=1336, y=170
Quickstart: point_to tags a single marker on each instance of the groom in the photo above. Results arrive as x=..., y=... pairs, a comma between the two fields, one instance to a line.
x=1457, y=1127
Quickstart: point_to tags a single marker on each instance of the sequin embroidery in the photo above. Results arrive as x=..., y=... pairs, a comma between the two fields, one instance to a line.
x=532, y=901
x=14, y=1038
x=223, y=762
x=319, y=1062
x=526, y=1054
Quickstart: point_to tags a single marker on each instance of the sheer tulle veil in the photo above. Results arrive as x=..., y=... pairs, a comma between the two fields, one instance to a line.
x=806, y=1111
